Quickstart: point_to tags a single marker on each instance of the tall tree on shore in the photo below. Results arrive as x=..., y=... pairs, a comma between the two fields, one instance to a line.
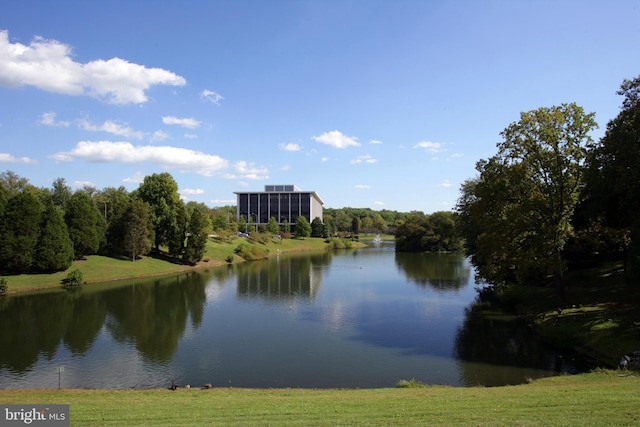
x=160, y=191
x=54, y=251
x=614, y=175
x=84, y=221
x=197, y=233
x=532, y=186
x=135, y=229
x=19, y=232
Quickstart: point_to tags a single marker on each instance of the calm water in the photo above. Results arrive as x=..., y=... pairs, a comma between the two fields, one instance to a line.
x=363, y=318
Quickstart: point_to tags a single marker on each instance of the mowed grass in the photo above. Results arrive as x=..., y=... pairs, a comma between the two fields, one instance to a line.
x=100, y=269
x=606, y=398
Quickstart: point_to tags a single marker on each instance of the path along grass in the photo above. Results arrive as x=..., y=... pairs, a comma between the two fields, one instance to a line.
x=606, y=398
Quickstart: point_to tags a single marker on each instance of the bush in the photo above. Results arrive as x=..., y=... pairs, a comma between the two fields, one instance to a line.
x=337, y=243
x=4, y=286
x=73, y=279
x=413, y=383
x=251, y=252
x=229, y=258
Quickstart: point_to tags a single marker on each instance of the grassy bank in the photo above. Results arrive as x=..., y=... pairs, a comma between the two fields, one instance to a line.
x=99, y=269
x=599, y=399
x=598, y=314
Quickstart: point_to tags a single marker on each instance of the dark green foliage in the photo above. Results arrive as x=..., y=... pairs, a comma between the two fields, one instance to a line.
x=435, y=232
x=317, y=228
x=251, y=252
x=73, y=279
x=82, y=219
x=177, y=230
x=135, y=227
x=197, y=234
x=160, y=191
x=54, y=251
x=4, y=286
x=19, y=232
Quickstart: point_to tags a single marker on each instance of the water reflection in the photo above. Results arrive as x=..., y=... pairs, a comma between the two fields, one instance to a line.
x=440, y=271
x=359, y=318
x=285, y=277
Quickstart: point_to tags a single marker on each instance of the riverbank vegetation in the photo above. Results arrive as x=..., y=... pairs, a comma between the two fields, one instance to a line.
x=595, y=399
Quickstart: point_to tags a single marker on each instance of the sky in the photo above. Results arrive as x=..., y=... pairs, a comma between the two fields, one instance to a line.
x=371, y=104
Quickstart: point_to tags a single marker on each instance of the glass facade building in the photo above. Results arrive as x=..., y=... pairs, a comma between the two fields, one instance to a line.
x=285, y=203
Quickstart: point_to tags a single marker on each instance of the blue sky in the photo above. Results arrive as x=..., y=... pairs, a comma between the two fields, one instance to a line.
x=378, y=104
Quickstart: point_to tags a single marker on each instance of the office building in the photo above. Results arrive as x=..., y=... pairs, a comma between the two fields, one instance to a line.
x=285, y=203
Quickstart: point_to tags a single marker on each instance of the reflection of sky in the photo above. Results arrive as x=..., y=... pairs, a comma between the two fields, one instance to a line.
x=367, y=326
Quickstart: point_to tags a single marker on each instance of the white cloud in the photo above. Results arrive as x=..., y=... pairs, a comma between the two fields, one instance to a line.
x=246, y=170
x=223, y=201
x=431, y=147
x=184, y=122
x=159, y=135
x=324, y=159
x=137, y=178
x=190, y=136
x=379, y=203
x=83, y=184
x=285, y=168
x=49, y=119
x=363, y=159
x=191, y=191
x=181, y=159
x=111, y=127
x=363, y=187
x=290, y=147
x=48, y=65
x=446, y=184
x=10, y=158
x=211, y=96
x=375, y=141
x=337, y=139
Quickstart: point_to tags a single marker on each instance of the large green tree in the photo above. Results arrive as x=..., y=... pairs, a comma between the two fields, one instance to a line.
x=303, y=228
x=19, y=232
x=198, y=231
x=84, y=222
x=54, y=251
x=528, y=192
x=614, y=177
x=160, y=191
x=135, y=228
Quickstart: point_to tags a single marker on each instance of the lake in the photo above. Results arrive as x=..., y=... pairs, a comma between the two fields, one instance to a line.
x=357, y=318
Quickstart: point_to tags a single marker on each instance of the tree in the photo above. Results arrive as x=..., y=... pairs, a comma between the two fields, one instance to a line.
x=160, y=191
x=528, y=192
x=197, y=234
x=82, y=219
x=303, y=228
x=113, y=203
x=135, y=229
x=273, y=227
x=54, y=251
x=615, y=173
x=60, y=192
x=317, y=228
x=19, y=232
x=177, y=230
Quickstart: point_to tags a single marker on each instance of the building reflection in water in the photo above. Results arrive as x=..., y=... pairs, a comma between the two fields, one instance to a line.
x=282, y=277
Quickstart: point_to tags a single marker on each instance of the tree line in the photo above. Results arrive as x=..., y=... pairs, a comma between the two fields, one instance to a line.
x=45, y=229
x=552, y=198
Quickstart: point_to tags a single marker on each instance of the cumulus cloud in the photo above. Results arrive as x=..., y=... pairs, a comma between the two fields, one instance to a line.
x=337, y=139
x=159, y=135
x=378, y=203
x=431, y=147
x=184, y=122
x=111, y=127
x=10, y=158
x=363, y=159
x=290, y=147
x=49, y=119
x=247, y=170
x=137, y=178
x=211, y=96
x=223, y=201
x=169, y=157
x=375, y=141
x=48, y=65
x=363, y=187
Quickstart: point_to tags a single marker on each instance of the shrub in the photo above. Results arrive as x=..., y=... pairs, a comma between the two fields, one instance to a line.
x=229, y=258
x=413, y=383
x=251, y=252
x=4, y=286
x=73, y=279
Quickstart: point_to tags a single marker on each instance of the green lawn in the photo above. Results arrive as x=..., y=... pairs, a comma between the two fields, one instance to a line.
x=608, y=398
